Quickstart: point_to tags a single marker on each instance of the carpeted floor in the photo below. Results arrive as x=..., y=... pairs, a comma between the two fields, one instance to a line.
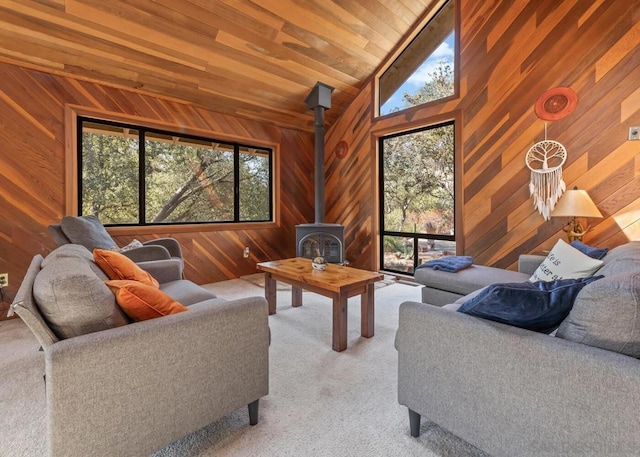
x=321, y=403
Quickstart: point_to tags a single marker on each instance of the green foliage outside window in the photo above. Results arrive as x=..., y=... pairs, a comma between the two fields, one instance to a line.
x=418, y=170
x=110, y=177
x=418, y=186
x=185, y=179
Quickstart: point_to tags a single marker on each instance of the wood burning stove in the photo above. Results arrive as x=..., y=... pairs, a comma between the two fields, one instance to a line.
x=325, y=240
x=320, y=238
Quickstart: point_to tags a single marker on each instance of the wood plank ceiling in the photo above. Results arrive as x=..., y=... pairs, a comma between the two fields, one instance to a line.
x=256, y=59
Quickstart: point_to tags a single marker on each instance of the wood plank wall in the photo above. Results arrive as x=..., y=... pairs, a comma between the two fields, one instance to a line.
x=32, y=188
x=511, y=52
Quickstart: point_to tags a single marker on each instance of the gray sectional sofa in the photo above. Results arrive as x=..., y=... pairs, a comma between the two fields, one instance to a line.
x=441, y=288
x=121, y=388
x=514, y=392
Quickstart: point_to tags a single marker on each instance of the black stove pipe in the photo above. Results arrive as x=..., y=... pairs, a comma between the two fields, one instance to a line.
x=319, y=100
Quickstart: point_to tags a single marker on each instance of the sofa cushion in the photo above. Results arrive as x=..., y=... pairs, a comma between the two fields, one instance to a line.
x=467, y=280
x=73, y=300
x=87, y=231
x=606, y=314
x=622, y=259
x=186, y=292
x=630, y=249
x=141, y=301
x=565, y=262
x=74, y=251
x=539, y=306
x=119, y=266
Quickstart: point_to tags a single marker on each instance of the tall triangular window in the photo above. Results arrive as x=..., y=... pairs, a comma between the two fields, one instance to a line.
x=426, y=69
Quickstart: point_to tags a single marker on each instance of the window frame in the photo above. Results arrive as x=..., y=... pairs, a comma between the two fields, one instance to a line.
x=73, y=170
x=406, y=43
x=455, y=120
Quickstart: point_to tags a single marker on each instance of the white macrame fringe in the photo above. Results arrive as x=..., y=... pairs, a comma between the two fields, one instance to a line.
x=546, y=188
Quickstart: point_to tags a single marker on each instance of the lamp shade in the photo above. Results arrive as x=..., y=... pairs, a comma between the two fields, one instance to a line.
x=575, y=203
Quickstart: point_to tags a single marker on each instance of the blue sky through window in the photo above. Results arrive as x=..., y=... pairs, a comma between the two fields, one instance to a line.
x=423, y=74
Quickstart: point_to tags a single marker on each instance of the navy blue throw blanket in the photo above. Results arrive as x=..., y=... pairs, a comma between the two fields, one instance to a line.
x=539, y=306
x=450, y=264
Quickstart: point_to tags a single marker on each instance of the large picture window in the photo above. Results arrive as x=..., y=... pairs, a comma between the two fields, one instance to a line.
x=132, y=175
x=417, y=201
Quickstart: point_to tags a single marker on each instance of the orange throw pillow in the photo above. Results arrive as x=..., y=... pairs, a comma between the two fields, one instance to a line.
x=118, y=266
x=141, y=301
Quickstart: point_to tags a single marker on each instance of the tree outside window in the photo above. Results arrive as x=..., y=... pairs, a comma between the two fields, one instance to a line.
x=134, y=175
x=416, y=75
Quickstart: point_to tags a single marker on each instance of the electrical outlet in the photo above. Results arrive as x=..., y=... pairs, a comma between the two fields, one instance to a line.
x=634, y=133
x=246, y=252
x=4, y=280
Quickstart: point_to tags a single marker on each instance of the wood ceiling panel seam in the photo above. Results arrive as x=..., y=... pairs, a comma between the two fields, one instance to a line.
x=250, y=9
x=171, y=49
x=417, y=8
x=295, y=67
x=148, y=39
x=355, y=23
x=260, y=97
x=213, y=15
x=328, y=53
x=292, y=12
x=21, y=58
x=399, y=9
x=280, y=73
x=45, y=41
x=127, y=65
x=147, y=15
x=375, y=16
x=92, y=30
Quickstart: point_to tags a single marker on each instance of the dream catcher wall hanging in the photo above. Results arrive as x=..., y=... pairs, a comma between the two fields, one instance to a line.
x=545, y=158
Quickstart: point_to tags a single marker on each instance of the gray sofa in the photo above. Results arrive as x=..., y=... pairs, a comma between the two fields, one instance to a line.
x=114, y=387
x=441, y=288
x=514, y=392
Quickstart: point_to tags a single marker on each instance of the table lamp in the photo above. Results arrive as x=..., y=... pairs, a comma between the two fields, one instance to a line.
x=575, y=203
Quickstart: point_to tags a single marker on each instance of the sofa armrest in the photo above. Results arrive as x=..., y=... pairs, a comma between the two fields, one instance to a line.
x=147, y=253
x=163, y=270
x=485, y=381
x=528, y=263
x=152, y=382
x=170, y=244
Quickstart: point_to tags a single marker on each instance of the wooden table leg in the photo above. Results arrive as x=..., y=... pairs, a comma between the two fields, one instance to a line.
x=367, y=312
x=296, y=296
x=339, y=322
x=270, y=292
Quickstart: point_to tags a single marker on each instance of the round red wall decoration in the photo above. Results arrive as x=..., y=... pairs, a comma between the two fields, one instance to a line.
x=341, y=149
x=556, y=103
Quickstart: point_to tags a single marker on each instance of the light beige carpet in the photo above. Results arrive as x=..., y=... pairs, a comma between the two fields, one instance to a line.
x=320, y=403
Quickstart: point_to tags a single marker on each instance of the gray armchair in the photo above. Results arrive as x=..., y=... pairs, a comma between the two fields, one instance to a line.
x=128, y=389
x=155, y=256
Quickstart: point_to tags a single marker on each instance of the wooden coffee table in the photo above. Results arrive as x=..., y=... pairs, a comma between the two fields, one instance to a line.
x=337, y=282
